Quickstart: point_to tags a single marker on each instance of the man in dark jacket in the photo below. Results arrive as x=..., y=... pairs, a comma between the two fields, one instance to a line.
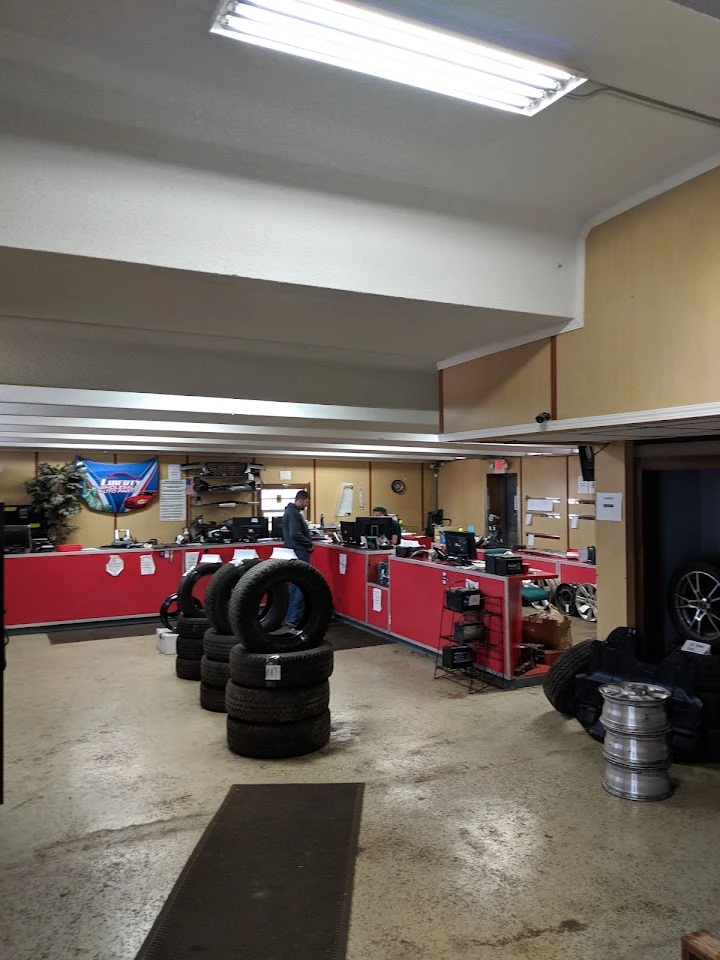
x=296, y=536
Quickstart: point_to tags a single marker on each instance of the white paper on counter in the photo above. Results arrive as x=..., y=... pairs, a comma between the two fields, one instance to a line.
x=190, y=559
x=377, y=599
x=342, y=563
x=147, y=565
x=115, y=565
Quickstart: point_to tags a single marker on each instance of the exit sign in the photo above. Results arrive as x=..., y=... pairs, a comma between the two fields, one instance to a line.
x=499, y=466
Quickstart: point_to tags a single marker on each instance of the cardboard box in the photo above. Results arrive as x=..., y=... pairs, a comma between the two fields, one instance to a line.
x=549, y=627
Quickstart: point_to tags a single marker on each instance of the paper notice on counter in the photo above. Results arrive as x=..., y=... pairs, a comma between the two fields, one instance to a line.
x=173, y=504
x=531, y=539
x=115, y=565
x=190, y=559
x=174, y=472
x=147, y=565
x=342, y=563
x=377, y=599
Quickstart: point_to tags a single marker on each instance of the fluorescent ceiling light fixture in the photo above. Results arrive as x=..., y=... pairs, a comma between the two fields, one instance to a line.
x=347, y=35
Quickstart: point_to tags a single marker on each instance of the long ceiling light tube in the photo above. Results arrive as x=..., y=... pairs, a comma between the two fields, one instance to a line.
x=346, y=35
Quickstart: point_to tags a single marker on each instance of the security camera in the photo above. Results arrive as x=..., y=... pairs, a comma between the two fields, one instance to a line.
x=543, y=418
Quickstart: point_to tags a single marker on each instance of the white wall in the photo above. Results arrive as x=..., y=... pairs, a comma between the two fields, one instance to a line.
x=81, y=201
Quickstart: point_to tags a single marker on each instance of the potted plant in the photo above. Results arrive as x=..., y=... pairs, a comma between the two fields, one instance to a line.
x=56, y=495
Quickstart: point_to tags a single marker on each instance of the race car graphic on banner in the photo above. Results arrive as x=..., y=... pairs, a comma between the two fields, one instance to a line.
x=118, y=487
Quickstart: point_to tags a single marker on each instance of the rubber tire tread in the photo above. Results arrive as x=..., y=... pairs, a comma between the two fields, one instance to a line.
x=260, y=580
x=212, y=698
x=280, y=740
x=217, y=646
x=187, y=603
x=703, y=566
x=559, y=682
x=187, y=669
x=189, y=648
x=217, y=595
x=213, y=673
x=302, y=669
x=219, y=590
x=276, y=706
x=191, y=628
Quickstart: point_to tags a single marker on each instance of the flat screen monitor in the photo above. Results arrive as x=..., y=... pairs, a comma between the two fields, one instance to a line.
x=248, y=528
x=18, y=538
x=276, y=528
x=587, y=463
x=460, y=545
x=347, y=531
x=373, y=527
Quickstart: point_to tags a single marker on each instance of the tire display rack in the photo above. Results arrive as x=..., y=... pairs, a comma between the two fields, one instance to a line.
x=471, y=676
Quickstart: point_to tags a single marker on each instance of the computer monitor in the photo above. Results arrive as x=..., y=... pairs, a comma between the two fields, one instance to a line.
x=276, y=528
x=347, y=532
x=18, y=538
x=460, y=545
x=248, y=528
x=373, y=527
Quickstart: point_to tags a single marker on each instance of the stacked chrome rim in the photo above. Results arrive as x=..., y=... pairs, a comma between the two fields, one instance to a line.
x=636, y=748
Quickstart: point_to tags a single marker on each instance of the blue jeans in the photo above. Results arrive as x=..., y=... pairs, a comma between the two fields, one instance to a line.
x=296, y=606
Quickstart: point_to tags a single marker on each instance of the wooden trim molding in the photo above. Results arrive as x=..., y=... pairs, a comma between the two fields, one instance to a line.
x=553, y=378
x=441, y=403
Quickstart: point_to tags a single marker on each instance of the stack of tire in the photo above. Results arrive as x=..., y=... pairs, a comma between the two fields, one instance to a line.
x=277, y=695
x=191, y=622
x=219, y=638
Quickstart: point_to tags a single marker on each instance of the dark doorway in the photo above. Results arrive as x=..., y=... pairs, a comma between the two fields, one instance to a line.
x=502, y=504
x=678, y=524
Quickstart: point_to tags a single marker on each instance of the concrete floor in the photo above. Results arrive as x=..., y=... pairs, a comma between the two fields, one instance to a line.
x=485, y=833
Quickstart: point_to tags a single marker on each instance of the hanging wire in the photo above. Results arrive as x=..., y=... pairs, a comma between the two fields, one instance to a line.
x=648, y=102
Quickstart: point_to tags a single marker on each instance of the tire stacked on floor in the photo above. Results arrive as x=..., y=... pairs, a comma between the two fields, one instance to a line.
x=191, y=622
x=219, y=639
x=277, y=697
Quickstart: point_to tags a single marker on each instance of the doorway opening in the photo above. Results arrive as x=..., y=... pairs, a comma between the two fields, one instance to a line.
x=501, y=515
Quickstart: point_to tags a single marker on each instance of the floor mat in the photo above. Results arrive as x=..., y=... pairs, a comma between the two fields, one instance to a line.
x=110, y=632
x=346, y=636
x=270, y=879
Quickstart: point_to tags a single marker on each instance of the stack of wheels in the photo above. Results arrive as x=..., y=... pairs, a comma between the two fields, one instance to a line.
x=191, y=622
x=278, y=695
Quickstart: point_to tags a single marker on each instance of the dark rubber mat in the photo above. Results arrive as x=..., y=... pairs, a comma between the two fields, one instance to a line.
x=346, y=636
x=111, y=632
x=270, y=879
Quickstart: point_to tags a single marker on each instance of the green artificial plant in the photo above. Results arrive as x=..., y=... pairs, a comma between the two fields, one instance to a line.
x=56, y=494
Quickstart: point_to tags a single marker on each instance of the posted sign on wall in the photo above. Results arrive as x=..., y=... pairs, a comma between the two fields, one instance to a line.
x=118, y=487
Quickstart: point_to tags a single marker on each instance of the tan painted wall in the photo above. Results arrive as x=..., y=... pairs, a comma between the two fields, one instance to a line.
x=499, y=390
x=614, y=542
x=323, y=477
x=546, y=477
x=651, y=335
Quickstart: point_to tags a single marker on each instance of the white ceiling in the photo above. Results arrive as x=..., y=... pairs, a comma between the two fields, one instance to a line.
x=240, y=314
x=149, y=78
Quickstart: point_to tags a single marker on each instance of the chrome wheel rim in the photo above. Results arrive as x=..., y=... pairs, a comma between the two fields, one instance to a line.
x=586, y=601
x=697, y=603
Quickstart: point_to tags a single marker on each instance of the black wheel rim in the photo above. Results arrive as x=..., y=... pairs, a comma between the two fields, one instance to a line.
x=565, y=598
x=697, y=605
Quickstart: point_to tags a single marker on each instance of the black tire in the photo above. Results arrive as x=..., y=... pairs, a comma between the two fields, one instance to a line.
x=212, y=698
x=266, y=578
x=276, y=706
x=187, y=603
x=169, y=612
x=213, y=673
x=278, y=740
x=565, y=599
x=559, y=682
x=187, y=669
x=217, y=598
x=305, y=668
x=217, y=646
x=189, y=648
x=697, y=580
x=192, y=628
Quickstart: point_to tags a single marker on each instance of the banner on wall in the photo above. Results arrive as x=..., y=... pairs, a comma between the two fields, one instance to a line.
x=118, y=487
